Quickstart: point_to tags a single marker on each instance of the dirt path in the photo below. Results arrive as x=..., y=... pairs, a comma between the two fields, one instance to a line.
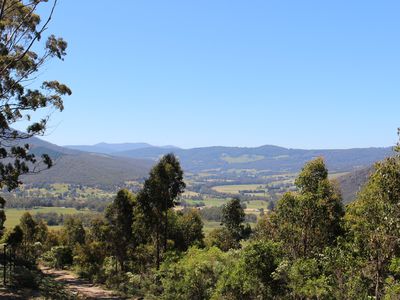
x=79, y=286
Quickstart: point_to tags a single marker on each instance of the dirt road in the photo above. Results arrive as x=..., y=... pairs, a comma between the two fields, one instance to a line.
x=80, y=287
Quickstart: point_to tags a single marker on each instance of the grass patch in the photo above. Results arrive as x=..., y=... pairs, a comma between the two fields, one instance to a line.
x=210, y=225
x=209, y=201
x=336, y=175
x=234, y=189
x=14, y=214
x=241, y=159
x=256, y=204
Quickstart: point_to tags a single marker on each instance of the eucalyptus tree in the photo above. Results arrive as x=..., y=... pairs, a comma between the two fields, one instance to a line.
x=159, y=194
x=233, y=217
x=310, y=219
x=24, y=50
x=373, y=221
x=119, y=215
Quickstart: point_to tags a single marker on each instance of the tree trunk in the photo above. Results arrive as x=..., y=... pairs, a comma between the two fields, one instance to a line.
x=158, y=248
x=166, y=230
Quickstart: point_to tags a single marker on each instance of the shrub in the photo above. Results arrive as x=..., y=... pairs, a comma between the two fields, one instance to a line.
x=58, y=257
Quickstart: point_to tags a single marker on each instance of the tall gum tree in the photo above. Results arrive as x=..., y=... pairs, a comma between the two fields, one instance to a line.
x=373, y=221
x=310, y=219
x=159, y=194
x=24, y=50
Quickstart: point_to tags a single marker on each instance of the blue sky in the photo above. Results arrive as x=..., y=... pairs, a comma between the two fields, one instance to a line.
x=301, y=74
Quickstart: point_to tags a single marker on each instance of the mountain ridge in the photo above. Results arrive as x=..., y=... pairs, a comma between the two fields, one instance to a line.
x=264, y=157
x=96, y=168
x=109, y=148
x=79, y=167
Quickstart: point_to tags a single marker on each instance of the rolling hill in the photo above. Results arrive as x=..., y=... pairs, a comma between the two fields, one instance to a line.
x=99, y=168
x=78, y=167
x=351, y=183
x=265, y=158
x=108, y=148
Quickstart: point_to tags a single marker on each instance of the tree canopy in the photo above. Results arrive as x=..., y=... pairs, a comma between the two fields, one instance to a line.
x=22, y=55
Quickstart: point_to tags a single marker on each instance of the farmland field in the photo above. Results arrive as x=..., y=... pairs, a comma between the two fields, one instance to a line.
x=234, y=189
x=210, y=225
x=241, y=159
x=209, y=201
x=256, y=204
x=13, y=214
x=336, y=175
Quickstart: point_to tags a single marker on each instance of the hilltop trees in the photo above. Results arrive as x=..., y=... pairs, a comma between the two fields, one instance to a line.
x=160, y=191
x=21, y=31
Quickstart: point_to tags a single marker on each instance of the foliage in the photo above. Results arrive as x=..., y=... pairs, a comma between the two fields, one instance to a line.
x=89, y=259
x=194, y=276
x=222, y=239
x=158, y=195
x=232, y=217
x=119, y=216
x=251, y=273
x=373, y=221
x=58, y=257
x=186, y=229
x=311, y=219
x=21, y=30
x=73, y=232
x=15, y=237
x=306, y=279
x=304, y=249
x=344, y=267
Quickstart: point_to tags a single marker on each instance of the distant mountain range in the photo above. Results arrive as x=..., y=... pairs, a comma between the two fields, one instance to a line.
x=107, y=148
x=113, y=164
x=264, y=158
x=79, y=167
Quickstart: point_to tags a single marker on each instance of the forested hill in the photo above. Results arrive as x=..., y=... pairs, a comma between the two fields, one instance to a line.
x=91, y=168
x=351, y=183
x=78, y=167
x=271, y=158
x=107, y=148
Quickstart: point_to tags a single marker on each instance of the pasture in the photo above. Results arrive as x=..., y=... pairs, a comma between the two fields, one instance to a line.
x=208, y=201
x=14, y=214
x=235, y=189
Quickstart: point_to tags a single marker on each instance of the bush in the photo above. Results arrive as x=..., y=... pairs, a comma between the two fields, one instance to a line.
x=88, y=260
x=23, y=277
x=58, y=257
x=193, y=276
x=250, y=274
x=221, y=238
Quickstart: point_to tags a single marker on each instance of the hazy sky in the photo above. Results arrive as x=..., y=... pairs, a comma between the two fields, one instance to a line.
x=304, y=74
